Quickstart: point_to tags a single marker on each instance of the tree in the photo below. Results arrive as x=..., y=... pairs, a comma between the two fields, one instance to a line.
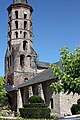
x=2, y=92
x=69, y=74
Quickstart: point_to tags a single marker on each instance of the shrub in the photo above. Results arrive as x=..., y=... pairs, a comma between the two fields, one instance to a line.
x=78, y=101
x=36, y=108
x=35, y=99
x=38, y=105
x=75, y=109
x=35, y=112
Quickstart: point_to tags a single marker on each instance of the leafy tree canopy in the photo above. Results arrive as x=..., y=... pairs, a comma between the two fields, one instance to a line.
x=69, y=74
x=2, y=90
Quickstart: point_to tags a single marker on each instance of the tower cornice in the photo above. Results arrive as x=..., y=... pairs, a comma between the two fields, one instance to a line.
x=20, y=5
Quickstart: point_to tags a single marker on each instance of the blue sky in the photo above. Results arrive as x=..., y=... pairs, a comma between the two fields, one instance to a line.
x=55, y=23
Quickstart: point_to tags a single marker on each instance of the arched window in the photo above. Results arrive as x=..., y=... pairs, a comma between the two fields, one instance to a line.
x=25, y=24
x=26, y=79
x=51, y=103
x=16, y=34
x=24, y=45
x=29, y=60
x=16, y=14
x=16, y=24
x=22, y=60
x=25, y=35
x=25, y=15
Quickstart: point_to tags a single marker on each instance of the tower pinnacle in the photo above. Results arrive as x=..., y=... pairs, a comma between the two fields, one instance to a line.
x=20, y=1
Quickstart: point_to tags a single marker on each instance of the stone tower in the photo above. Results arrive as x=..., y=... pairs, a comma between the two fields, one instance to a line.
x=20, y=60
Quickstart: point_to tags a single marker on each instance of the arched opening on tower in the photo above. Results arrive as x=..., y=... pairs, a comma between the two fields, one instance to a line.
x=25, y=35
x=24, y=45
x=16, y=34
x=51, y=103
x=22, y=60
x=25, y=15
x=16, y=14
x=25, y=24
x=16, y=24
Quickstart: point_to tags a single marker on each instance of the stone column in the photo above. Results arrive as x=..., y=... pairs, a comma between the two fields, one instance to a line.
x=19, y=100
x=30, y=91
x=40, y=92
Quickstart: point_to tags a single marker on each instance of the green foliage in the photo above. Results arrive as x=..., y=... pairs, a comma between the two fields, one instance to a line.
x=38, y=105
x=35, y=112
x=35, y=99
x=75, y=109
x=69, y=72
x=36, y=108
x=2, y=93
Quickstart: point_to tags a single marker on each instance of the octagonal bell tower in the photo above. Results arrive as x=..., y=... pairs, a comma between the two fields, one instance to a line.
x=20, y=62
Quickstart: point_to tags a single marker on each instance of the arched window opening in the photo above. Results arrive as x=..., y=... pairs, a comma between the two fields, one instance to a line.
x=25, y=35
x=29, y=60
x=25, y=79
x=24, y=45
x=22, y=60
x=25, y=24
x=16, y=24
x=25, y=16
x=51, y=103
x=16, y=14
x=16, y=34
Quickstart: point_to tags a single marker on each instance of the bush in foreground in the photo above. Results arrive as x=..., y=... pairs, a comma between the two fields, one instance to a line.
x=36, y=109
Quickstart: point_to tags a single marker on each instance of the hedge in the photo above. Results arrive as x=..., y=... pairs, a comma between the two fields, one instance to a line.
x=35, y=112
x=38, y=105
x=35, y=99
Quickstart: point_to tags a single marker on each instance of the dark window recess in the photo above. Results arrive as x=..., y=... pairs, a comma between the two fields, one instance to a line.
x=20, y=32
x=22, y=60
x=25, y=16
x=16, y=14
x=51, y=103
x=25, y=35
x=16, y=34
x=9, y=37
x=24, y=45
x=26, y=79
x=16, y=24
x=25, y=24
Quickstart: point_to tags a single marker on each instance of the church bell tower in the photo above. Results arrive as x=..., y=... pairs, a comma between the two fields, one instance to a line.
x=20, y=60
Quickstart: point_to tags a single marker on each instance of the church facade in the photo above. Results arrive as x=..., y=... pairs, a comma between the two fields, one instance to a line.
x=24, y=75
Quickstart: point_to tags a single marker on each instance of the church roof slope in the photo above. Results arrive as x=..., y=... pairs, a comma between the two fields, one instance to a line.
x=44, y=76
x=43, y=64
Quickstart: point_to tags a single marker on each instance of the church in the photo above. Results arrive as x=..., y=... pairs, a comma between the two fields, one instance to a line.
x=26, y=76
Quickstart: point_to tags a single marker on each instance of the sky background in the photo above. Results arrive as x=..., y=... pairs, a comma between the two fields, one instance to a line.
x=55, y=23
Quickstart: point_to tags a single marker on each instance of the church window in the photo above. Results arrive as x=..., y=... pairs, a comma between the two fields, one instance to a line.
x=25, y=16
x=16, y=24
x=9, y=36
x=25, y=35
x=51, y=103
x=16, y=14
x=20, y=32
x=26, y=79
x=24, y=45
x=16, y=34
x=22, y=60
x=25, y=24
